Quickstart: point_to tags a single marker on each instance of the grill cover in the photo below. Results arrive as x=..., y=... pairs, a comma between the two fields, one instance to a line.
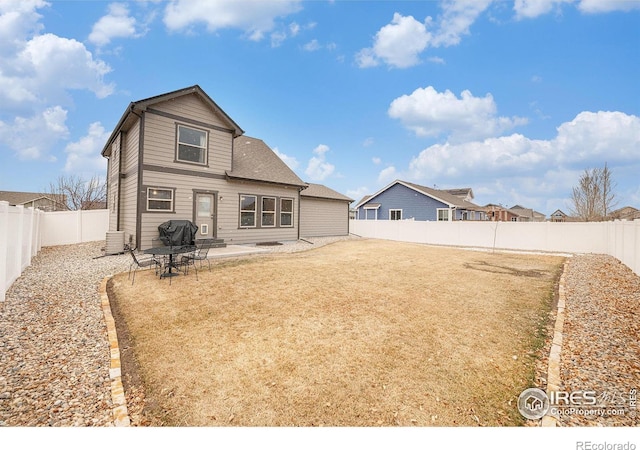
x=177, y=232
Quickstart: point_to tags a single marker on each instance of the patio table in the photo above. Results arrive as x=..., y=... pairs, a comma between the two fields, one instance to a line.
x=170, y=251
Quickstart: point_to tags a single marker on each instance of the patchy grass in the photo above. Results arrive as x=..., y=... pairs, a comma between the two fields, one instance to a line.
x=357, y=333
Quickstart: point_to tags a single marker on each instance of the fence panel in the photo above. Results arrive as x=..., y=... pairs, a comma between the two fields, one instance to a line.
x=24, y=231
x=73, y=227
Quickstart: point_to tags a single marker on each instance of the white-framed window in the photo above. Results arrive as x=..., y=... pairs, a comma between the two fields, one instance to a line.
x=514, y=219
x=395, y=214
x=248, y=209
x=286, y=212
x=159, y=199
x=443, y=214
x=191, y=145
x=268, y=212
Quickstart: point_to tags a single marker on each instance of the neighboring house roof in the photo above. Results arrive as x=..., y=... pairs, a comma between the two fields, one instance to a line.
x=444, y=196
x=626, y=212
x=253, y=160
x=463, y=193
x=141, y=105
x=559, y=212
x=322, y=191
x=526, y=212
x=22, y=198
x=440, y=195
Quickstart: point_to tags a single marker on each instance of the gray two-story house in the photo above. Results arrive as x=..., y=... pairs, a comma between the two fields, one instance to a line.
x=180, y=156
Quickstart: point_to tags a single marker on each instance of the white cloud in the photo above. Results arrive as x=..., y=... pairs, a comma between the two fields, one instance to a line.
x=590, y=139
x=400, y=43
x=430, y=113
x=358, y=192
x=387, y=174
x=290, y=161
x=83, y=155
x=32, y=138
x=604, y=6
x=526, y=9
x=116, y=24
x=376, y=160
x=368, y=142
x=37, y=73
x=318, y=168
x=18, y=21
x=30, y=79
x=312, y=46
x=456, y=20
x=397, y=44
x=254, y=19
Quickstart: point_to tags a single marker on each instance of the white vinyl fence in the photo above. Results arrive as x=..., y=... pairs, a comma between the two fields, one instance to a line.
x=24, y=231
x=620, y=239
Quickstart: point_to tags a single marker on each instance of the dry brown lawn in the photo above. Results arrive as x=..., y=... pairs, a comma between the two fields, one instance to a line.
x=356, y=333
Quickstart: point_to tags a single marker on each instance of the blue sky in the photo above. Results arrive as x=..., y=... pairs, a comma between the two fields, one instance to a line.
x=511, y=98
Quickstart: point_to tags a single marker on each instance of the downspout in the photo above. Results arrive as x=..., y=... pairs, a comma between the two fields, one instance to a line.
x=119, y=184
x=139, y=181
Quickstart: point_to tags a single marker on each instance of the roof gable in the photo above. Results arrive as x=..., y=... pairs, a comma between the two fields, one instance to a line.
x=322, y=191
x=141, y=105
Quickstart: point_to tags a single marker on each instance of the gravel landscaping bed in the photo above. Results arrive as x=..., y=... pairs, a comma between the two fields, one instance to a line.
x=54, y=353
x=601, y=342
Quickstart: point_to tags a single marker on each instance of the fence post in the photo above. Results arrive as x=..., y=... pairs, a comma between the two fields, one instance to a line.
x=4, y=228
x=32, y=218
x=19, y=239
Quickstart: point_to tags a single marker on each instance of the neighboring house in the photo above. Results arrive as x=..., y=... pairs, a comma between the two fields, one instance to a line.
x=527, y=214
x=560, y=216
x=625, y=213
x=498, y=213
x=44, y=202
x=319, y=208
x=95, y=204
x=402, y=200
x=180, y=156
x=517, y=213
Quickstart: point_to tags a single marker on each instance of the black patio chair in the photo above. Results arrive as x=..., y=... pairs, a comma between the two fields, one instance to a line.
x=200, y=254
x=142, y=263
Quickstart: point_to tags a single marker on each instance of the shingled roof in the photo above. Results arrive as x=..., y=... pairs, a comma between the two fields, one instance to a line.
x=321, y=191
x=253, y=160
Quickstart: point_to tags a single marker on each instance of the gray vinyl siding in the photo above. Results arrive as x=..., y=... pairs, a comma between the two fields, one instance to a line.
x=129, y=188
x=113, y=169
x=228, y=200
x=320, y=217
x=190, y=111
x=413, y=204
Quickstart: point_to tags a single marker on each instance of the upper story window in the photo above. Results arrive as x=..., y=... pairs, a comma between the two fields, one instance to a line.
x=191, y=145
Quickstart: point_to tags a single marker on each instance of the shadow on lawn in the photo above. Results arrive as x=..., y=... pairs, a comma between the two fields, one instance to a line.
x=494, y=268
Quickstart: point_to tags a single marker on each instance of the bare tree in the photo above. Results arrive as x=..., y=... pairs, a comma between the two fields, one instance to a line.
x=593, y=198
x=609, y=200
x=73, y=192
